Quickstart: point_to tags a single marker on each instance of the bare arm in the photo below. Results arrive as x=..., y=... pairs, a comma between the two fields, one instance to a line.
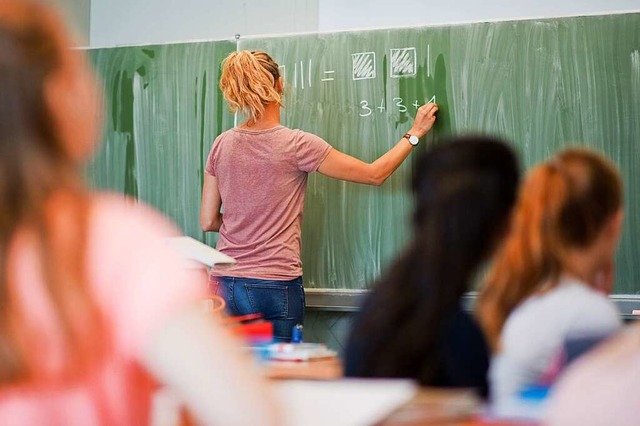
x=210, y=216
x=339, y=165
x=208, y=371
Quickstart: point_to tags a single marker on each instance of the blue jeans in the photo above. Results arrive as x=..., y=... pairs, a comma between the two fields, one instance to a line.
x=281, y=302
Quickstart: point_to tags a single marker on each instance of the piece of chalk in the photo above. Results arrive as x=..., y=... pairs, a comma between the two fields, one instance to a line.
x=635, y=312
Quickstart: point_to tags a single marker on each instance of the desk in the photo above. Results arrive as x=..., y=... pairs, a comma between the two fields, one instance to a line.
x=444, y=407
x=429, y=407
x=325, y=369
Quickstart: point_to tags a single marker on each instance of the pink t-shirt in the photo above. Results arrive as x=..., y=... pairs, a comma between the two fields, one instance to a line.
x=262, y=177
x=138, y=283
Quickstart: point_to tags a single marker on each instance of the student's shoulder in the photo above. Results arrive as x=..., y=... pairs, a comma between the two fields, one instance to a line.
x=591, y=310
x=580, y=296
x=462, y=326
x=462, y=318
x=569, y=295
x=126, y=238
x=118, y=216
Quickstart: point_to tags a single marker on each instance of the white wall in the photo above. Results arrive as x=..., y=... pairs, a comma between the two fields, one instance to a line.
x=118, y=22
x=123, y=22
x=77, y=14
x=338, y=15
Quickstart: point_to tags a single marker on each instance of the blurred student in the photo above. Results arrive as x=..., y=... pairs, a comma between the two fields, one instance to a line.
x=413, y=325
x=548, y=286
x=94, y=307
x=258, y=171
x=601, y=389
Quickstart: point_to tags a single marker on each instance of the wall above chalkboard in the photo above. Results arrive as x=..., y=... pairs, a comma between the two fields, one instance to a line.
x=542, y=84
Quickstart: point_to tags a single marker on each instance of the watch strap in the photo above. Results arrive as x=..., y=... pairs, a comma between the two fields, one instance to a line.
x=411, y=138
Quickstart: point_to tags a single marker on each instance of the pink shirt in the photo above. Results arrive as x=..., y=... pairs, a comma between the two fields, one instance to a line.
x=262, y=177
x=138, y=283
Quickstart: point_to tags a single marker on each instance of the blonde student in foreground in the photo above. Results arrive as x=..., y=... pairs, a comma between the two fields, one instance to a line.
x=258, y=173
x=546, y=293
x=601, y=389
x=95, y=310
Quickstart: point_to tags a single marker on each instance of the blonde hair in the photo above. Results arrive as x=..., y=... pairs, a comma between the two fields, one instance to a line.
x=248, y=82
x=563, y=203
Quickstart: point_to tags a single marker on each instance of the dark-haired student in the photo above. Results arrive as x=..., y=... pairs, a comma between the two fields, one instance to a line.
x=413, y=324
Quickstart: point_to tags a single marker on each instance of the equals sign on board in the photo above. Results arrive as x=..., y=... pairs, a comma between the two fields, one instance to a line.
x=328, y=76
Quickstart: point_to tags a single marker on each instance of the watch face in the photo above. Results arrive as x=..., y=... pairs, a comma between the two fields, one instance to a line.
x=413, y=140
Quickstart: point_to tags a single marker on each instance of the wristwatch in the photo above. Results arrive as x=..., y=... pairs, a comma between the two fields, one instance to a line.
x=413, y=139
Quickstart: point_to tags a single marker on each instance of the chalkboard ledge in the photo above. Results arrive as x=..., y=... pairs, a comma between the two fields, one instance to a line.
x=336, y=300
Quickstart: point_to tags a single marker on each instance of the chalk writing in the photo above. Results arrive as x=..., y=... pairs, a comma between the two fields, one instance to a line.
x=403, y=62
x=400, y=107
x=364, y=65
x=365, y=106
x=327, y=73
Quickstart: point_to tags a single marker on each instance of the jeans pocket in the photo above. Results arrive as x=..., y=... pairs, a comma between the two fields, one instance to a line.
x=268, y=299
x=302, y=295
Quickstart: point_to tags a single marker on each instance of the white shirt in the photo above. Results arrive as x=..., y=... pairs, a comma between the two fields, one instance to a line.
x=535, y=333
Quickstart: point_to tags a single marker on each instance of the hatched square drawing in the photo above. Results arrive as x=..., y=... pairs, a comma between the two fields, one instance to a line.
x=364, y=65
x=403, y=62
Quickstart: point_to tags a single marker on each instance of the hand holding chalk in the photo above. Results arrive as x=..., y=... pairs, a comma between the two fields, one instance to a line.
x=425, y=117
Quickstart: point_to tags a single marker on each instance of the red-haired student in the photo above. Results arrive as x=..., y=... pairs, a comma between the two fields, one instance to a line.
x=545, y=296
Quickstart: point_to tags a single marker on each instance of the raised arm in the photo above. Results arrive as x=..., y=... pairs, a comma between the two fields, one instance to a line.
x=210, y=216
x=339, y=165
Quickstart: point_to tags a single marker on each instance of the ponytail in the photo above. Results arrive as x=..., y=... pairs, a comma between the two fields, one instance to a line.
x=248, y=82
x=524, y=259
x=563, y=203
x=465, y=190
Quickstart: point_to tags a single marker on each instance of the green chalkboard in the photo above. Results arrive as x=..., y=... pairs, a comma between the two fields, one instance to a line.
x=163, y=109
x=543, y=84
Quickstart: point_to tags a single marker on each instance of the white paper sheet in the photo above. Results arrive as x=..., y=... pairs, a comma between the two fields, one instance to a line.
x=346, y=402
x=192, y=249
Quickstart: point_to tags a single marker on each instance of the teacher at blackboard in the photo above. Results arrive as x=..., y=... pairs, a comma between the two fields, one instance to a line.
x=258, y=172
